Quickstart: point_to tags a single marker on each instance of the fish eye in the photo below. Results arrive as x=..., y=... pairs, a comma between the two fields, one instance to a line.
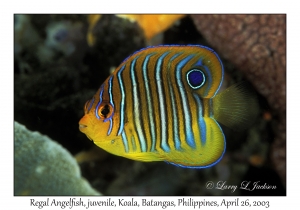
x=105, y=111
x=195, y=78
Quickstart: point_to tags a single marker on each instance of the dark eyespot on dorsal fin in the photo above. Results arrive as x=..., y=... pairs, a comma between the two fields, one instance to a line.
x=195, y=78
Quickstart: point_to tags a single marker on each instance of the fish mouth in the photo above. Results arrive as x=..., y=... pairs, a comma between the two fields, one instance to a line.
x=83, y=129
x=82, y=126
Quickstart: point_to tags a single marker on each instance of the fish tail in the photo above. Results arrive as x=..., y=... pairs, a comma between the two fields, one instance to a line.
x=236, y=107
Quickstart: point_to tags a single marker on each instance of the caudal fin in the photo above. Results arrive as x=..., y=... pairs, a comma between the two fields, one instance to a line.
x=236, y=107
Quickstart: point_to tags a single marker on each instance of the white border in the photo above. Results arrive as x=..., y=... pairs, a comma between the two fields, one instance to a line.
x=8, y=8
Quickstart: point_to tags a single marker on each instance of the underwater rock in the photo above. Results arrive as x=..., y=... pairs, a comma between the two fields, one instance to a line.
x=26, y=39
x=115, y=39
x=43, y=167
x=255, y=44
x=66, y=39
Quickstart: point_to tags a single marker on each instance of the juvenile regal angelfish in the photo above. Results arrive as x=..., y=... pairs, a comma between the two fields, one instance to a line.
x=161, y=104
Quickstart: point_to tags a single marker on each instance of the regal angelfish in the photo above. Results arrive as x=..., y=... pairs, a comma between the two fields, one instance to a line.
x=161, y=104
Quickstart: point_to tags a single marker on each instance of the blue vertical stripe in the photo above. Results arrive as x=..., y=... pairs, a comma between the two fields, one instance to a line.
x=122, y=103
x=188, y=127
x=174, y=109
x=201, y=122
x=161, y=96
x=136, y=109
x=209, y=79
x=149, y=102
x=125, y=142
x=110, y=126
x=110, y=91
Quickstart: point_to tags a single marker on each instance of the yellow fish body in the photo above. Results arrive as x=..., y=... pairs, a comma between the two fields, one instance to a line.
x=161, y=104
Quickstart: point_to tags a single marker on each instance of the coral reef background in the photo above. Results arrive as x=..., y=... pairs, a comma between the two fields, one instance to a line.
x=48, y=170
x=61, y=60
